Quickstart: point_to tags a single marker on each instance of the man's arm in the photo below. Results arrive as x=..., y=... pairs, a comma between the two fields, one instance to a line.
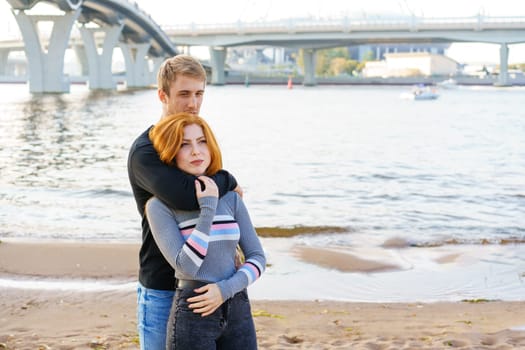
x=168, y=183
x=184, y=249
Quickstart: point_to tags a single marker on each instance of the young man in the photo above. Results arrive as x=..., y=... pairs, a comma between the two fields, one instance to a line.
x=181, y=83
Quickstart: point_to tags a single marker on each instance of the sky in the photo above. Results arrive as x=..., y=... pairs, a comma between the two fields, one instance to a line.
x=167, y=12
x=227, y=11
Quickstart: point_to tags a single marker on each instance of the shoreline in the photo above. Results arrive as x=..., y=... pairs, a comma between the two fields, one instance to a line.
x=240, y=79
x=388, y=273
x=84, y=318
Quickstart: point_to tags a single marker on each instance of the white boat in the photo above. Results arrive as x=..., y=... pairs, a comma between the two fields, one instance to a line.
x=448, y=84
x=420, y=93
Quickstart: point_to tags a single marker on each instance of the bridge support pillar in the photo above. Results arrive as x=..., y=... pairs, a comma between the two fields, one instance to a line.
x=46, y=69
x=309, y=67
x=503, y=79
x=4, y=55
x=137, y=66
x=100, y=75
x=218, y=59
x=80, y=52
x=157, y=61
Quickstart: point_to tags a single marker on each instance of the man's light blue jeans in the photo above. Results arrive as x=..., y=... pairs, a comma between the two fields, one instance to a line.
x=153, y=311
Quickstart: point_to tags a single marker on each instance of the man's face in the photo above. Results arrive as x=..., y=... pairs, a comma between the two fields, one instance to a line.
x=185, y=95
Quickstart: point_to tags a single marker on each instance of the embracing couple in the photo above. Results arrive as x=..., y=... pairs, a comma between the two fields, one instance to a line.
x=192, y=282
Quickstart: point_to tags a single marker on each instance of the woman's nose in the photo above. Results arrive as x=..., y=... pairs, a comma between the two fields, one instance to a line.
x=195, y=150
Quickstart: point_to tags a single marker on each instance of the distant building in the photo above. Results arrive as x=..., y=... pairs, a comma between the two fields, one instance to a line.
x=411, y=64
x=260, y=55
x=378, y=51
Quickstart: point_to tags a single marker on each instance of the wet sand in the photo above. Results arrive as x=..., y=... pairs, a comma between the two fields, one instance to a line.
x=61, y=318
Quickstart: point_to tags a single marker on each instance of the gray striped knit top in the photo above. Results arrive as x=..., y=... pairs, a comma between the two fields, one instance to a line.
x=201, y=245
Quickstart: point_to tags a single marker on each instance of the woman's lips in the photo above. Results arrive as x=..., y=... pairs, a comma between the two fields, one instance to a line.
x=197, y=162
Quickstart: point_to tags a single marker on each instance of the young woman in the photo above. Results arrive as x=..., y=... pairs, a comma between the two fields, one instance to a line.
x=211, y=309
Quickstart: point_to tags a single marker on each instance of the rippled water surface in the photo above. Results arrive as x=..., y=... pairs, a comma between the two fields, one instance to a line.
x=359, y=158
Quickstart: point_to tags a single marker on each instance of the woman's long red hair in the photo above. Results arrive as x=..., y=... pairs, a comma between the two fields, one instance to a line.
x=168, y=133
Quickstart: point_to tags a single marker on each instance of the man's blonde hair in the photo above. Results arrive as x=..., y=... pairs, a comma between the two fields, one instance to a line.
x=179, y=65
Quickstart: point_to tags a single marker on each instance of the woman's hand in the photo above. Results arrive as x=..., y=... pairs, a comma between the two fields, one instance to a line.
x=207, y=302
x=210, y=187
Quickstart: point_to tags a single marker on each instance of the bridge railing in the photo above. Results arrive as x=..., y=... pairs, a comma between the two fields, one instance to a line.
x=347, y=24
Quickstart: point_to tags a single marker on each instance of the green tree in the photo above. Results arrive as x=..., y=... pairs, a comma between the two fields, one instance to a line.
x=519, y=66
x=368, y=56
x=335, y=61
x=332, y=62
x=322, y=63
x=340, y=65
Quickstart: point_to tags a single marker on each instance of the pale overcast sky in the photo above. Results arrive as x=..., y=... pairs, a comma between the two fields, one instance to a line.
x=167, y=12
x=213, y=11
x=227, y=11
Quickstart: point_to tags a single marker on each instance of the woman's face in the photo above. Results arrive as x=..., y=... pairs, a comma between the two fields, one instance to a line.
x=193, y=156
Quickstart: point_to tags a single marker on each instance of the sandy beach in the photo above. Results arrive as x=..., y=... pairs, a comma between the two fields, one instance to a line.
x=33, y=317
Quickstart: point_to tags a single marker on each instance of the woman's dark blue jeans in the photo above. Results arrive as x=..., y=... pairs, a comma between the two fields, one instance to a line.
x=230, y=327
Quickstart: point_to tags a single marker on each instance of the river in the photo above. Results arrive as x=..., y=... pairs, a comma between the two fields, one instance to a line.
x=434, y=188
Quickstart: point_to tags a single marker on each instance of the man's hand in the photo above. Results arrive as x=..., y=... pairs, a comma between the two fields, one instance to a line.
x=239, y=258
x=238, y=189
x=206, y=303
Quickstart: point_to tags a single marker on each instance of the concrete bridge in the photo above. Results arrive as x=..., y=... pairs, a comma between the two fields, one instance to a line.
x=313, y=34
x=103, y=24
